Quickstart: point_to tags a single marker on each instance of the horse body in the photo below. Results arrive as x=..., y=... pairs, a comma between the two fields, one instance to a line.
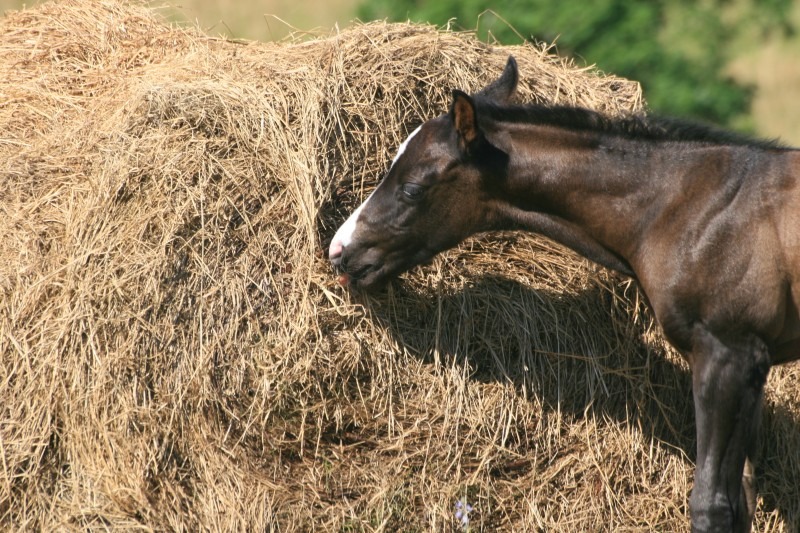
x=707, y=230
x=706, y=221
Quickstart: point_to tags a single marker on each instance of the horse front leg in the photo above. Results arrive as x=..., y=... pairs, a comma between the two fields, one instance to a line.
x=728, y=383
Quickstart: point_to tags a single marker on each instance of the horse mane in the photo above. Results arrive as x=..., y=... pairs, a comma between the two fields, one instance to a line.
x=635, y=126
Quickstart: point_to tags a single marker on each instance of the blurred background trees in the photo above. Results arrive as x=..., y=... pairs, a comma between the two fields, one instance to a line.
x=732, y=62
x=678, y=49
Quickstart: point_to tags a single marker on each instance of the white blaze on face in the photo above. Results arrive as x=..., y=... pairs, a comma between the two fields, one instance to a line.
x=403, y=146
x=344, y=235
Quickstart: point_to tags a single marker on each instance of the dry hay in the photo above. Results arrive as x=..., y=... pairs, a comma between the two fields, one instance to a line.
x=175, y=352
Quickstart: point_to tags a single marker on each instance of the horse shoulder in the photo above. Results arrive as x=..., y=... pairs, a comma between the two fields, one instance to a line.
x=728, y=274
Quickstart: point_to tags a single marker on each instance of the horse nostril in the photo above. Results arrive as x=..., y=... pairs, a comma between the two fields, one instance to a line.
x=335, y=252
x=339, y=261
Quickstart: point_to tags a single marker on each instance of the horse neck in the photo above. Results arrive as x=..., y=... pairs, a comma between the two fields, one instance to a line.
x=591, y=192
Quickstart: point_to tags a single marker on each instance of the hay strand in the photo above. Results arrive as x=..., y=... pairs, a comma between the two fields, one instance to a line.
x=176, y=354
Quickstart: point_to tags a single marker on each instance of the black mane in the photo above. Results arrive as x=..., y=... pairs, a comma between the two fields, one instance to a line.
x=636, y=127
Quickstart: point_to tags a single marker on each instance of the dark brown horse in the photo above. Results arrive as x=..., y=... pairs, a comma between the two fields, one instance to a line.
x=708, y=222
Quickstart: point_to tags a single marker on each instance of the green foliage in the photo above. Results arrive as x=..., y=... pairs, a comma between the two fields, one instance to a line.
x=677, y=49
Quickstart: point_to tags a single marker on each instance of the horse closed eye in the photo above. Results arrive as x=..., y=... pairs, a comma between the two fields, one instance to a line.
x=412, y=191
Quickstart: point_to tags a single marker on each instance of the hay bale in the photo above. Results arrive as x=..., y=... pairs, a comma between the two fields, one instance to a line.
x=176, y=354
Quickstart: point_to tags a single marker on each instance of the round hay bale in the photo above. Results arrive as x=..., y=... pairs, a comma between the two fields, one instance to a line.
x=176, y=354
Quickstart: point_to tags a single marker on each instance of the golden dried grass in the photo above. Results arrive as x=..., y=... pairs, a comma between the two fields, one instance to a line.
x=175, y=353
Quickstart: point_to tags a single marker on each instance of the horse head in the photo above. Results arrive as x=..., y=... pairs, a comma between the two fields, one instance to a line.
x=436, y=193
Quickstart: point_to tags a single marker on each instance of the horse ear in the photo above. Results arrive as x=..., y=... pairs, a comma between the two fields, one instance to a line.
x=465, y=118
x=503, y=88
